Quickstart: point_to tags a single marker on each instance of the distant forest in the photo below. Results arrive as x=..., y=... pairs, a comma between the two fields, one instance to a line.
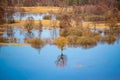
x=59, y=2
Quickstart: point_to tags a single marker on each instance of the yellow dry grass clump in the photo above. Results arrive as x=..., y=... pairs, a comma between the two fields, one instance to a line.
x=40, y=9
x=49, y=23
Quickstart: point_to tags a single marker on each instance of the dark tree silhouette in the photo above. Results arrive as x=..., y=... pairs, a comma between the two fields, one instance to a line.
x=61, y=60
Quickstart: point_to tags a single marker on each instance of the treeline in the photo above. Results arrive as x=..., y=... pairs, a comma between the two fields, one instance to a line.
x=108, y=3
x=59, y=2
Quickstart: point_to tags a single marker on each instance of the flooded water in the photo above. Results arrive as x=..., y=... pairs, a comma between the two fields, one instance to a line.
x=102, y=62
x=23, y=16
x=26, y=63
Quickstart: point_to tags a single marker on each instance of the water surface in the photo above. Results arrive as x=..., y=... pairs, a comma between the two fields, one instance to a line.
x=101, y=62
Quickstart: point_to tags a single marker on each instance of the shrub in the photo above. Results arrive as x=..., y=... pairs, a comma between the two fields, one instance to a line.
x=36, y=43
x=72, y=40
x=58, y=17
x=75, y=31
x=29, y=24
x=110, y=39
x=86, y=41
x=3, y=40
x=64, y=32
x=95, y=18
x=61, y=42
x=65, y=21
x=47, y=17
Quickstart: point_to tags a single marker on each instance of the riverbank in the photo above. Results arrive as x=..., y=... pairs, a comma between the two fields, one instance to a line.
x=50, y=23
x=13, y=44
x=36, y=10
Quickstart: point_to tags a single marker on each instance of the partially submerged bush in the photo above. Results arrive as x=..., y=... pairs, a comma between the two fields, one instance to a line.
x=95, y=18
x=10, y=20
x=75, y=31
x=64, y=32
x=47, y=17
x=65, y=21
x=61, y=42
x=72, y=40
x=71, y=31
x=37, y=43
x=58, y=17
x=3, y=40
x=86, y=42
x=110, y=39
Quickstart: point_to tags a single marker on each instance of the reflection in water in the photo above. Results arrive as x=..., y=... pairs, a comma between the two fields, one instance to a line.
x=86, y=38
x=10, y=34
x=37, y=43
x=61, y=60
x=110, y=39
x=54, y=34
x=0, y=48
x=40, y=28
x=29, y=24
x=76, y=37
x=21, y=15
x=28, y=37
x=8, y=15
x=71, y=37
x=9, y=31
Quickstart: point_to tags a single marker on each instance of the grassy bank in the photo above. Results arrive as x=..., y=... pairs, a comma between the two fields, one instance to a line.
x=45, y=23
x=49, y=23
x=13, y=44
x=35, y=10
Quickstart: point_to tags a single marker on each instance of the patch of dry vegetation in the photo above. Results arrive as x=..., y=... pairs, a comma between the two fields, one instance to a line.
x=46, y=9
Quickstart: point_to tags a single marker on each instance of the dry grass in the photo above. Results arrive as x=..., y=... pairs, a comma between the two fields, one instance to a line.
x=45, y=23
x=35, y=10
x=49, y=23
x=13, y=44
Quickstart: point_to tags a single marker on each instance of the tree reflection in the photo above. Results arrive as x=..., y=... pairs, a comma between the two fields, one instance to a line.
x=61, y=42
x=110, y=39
x=82, y=37
x=2, y=15
x=10, y=34
x=61, y=60
x=28, y=37
x=2, y=30
x=0, y=48
x=37, y=43
x=54, y=33
x=54, y=29
x=40, y=28
x=3, y=39
x=29, y=24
